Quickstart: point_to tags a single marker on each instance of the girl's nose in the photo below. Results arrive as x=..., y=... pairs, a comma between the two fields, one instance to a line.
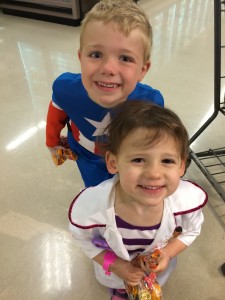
x=152, y=171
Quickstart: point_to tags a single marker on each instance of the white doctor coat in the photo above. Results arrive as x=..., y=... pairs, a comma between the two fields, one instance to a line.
x=92, y=214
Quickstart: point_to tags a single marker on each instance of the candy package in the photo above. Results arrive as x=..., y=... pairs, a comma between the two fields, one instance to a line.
x=148, y=288
x=63, y=152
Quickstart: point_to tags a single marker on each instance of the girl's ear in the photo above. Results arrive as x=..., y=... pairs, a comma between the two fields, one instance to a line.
x=111, y=162
x=182, y=168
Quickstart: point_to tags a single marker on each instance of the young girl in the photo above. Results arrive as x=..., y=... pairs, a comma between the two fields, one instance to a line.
x=139, y=209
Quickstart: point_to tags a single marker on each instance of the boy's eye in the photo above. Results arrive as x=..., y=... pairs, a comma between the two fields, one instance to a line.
x=168, y=161
x=137, y=160
x=126, y=58
x=95, y=54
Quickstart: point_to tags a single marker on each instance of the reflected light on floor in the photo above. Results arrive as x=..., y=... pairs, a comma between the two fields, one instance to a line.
x=25, y=136
x=176, y=26
x=56, y=264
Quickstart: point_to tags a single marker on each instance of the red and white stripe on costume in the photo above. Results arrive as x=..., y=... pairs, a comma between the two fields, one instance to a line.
x=56, y=121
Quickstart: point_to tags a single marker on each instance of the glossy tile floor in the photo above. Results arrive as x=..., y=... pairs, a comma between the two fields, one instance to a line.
x=38, y=258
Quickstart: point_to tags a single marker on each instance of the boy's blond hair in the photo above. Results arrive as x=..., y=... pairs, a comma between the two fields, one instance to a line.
x=126, y=14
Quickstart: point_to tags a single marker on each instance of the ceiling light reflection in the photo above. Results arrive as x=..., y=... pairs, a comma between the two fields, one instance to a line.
x=177, y=25
x=25, y=136
x=56, y=265
x=41, y=124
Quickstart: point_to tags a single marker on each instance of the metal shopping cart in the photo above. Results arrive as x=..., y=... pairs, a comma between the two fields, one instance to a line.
x=215, y=170
x=212, y=161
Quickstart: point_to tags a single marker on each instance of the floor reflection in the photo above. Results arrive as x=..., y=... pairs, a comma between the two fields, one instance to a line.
x=176, y=25
x=56, y=264
x=25, y=136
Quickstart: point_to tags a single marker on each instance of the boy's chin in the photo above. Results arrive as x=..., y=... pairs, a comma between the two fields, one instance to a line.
x=108, y=103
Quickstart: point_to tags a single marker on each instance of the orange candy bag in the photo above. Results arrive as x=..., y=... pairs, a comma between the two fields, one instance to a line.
x=148, y=288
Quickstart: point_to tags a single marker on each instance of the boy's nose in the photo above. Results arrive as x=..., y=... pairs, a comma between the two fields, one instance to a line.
x=109, y=67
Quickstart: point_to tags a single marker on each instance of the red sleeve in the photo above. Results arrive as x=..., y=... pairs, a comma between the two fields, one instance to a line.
x=56, y=121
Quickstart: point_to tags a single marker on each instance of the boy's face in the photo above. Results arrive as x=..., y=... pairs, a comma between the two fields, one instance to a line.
x=148, y=173
x=111, y=63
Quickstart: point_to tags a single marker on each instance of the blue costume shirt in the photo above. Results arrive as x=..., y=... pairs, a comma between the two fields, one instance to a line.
x=88, y=121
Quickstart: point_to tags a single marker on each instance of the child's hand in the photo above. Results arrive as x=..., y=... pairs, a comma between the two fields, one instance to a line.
x=149, y=262
x=156, y=261
x=163, y=261
x=127, y=271
x=63, y=144
x=63, y=141
x=172, y=249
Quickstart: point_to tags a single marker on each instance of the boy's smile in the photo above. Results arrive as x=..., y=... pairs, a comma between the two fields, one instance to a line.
x=107, y=86
x=111, y=63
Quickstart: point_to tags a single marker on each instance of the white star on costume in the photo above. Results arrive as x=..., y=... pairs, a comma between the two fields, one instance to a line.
x=100, y=126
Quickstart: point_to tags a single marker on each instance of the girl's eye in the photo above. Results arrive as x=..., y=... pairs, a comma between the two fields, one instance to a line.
x=95, y=54
x=126, y=58
x=168, y=161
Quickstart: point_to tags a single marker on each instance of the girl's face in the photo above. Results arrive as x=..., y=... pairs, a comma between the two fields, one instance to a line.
x=148, y=173
x=111, y=63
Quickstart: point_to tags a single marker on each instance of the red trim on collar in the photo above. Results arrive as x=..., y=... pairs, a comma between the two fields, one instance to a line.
x=195, y=208
x=80, y=226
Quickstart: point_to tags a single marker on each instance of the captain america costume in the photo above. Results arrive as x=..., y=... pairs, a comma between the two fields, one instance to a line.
x=70, y=102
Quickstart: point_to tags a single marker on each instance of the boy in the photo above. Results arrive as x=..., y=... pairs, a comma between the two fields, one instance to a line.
x=115, y=45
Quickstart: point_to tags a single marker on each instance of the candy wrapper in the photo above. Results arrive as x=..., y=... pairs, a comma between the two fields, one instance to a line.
x=148, y=288
x=60, y=155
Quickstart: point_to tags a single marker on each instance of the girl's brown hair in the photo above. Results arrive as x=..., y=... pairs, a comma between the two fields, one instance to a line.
x=159, y=121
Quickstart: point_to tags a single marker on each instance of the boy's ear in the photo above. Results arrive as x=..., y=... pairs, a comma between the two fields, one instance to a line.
x=144, y=70
x=79, y=54
x=111, y=162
